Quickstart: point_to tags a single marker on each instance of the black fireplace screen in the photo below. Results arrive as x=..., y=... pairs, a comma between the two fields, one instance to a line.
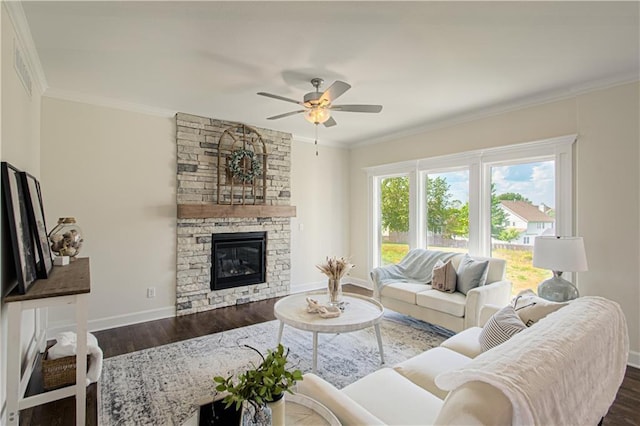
x=238, y=259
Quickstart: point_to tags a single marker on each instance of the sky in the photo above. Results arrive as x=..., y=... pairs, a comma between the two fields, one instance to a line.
x=535, y=181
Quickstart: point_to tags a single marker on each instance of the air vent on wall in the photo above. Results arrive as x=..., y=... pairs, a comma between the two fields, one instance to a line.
x=21, y=67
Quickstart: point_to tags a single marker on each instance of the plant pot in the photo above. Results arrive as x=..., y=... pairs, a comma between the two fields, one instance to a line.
x=255, y=415
x=277, y=411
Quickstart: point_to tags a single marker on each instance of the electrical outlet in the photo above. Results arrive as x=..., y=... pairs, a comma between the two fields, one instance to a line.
x=151, y=292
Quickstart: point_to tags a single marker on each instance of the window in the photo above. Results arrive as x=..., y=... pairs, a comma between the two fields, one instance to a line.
x=447, y=210
x=393, y=227
x=525, y=189
x=461, y=202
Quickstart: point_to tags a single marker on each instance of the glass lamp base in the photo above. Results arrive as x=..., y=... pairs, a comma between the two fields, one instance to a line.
x=557, y=289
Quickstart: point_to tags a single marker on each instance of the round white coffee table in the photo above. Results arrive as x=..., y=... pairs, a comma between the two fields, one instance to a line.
x=360, y=312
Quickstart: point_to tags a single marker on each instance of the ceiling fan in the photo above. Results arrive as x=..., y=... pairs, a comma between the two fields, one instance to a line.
x=318, y=105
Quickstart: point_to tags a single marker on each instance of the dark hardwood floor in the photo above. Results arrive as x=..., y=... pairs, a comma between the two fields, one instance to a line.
x=624, y=411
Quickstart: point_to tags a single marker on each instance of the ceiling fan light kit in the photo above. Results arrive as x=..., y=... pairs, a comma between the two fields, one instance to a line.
x=317, y=115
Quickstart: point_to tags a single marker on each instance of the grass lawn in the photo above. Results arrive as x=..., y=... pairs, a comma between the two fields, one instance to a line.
x=519, y=269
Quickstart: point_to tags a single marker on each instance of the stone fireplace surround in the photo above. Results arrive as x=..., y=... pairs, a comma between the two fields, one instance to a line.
x=197, y=149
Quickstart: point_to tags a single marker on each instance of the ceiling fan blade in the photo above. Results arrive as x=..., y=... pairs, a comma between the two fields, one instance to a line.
x=282, y=98
x=334, y=91
x=357, y=108
x=330, y=122
x=286, y=114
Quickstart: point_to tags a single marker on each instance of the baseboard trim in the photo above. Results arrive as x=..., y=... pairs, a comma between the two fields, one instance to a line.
x=115, y=321
x=634, y=359
x=319, y=285
x=302, y=288
x=360, y=282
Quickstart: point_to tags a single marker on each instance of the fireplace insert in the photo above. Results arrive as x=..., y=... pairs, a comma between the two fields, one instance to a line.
x=238, y=259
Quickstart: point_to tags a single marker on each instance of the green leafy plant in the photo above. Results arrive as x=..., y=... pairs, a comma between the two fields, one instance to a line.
x=266, y=383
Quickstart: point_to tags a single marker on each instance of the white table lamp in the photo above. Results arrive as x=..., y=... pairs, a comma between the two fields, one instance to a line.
x=559, y=254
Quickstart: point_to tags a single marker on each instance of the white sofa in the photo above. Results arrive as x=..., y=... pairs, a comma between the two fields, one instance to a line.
x=453, y=311
x=589, y=333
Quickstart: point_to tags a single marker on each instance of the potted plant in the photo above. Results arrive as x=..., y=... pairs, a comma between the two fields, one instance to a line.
x=265, y=384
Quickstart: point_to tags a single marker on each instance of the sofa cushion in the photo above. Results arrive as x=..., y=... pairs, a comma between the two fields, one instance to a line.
x=394, y=399
x=531, y=308
x=449, y=303
x=502, y=326
x=405, y=292
x=471, y=274
x=444, y=277
x=466, y=342
x=422, y=369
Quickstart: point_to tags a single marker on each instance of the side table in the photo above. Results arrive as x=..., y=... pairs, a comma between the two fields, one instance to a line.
x=67, y=285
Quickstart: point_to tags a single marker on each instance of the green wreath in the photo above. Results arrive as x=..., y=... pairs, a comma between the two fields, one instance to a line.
x=238, y=171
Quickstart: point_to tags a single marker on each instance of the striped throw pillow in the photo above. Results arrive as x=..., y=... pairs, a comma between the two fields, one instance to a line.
x=502, y=326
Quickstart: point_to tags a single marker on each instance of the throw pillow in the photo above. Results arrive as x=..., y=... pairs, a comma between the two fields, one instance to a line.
x=471, y=274
x=502, y=326
x=531, y=308
x=444, y=277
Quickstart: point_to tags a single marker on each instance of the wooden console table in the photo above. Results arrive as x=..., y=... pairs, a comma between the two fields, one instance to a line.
x=67, y=285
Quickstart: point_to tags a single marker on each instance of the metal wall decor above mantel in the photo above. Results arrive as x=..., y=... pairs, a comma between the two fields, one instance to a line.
x=242, y=166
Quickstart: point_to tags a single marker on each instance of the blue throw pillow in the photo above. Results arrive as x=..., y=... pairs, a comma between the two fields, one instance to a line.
x=471, y=274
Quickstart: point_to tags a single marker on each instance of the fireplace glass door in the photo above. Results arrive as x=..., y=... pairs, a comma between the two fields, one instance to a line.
x=238, y=259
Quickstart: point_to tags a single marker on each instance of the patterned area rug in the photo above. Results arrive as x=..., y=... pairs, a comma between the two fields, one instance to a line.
x=159, y=386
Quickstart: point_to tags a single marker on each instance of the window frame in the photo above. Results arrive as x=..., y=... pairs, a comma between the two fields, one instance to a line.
x=479, y=163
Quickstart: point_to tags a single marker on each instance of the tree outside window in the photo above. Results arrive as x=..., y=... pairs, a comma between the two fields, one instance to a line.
x=394, y=219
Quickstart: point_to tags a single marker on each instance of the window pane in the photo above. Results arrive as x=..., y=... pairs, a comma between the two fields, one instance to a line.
x=522, y=208
x=447, y=198
x=394, y=219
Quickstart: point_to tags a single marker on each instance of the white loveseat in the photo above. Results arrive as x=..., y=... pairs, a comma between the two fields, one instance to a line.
x=568, y=367
x=454, y=311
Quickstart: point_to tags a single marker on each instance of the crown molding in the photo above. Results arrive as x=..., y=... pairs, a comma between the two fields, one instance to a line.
x=68, y=95
x=519, y=104
x=25, y=40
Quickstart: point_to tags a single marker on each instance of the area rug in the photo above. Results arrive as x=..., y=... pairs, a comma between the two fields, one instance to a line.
x=161, y=385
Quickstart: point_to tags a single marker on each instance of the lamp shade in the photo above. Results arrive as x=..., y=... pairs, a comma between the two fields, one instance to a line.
x=563, y=254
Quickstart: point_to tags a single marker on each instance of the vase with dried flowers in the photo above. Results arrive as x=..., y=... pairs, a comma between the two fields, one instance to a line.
x=335, y=268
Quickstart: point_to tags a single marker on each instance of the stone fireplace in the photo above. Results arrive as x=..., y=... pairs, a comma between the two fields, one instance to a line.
x=203, y=223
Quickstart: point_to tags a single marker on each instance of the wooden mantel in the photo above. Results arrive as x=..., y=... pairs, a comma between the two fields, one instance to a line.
x=207, y=211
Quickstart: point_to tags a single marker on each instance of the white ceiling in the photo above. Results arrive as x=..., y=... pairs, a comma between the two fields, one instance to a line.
x=427, y=63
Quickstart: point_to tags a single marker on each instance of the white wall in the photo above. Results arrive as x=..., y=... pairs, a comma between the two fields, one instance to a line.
x=320, y=192
x=20, y=146
x=115, y=172
x=606, y=181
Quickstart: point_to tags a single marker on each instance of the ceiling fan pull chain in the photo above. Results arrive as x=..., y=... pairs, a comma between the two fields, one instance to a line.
x=316, y=143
